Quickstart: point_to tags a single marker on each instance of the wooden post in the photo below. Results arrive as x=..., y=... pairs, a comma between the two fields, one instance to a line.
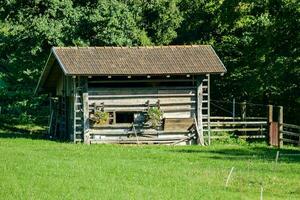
x=233, y=109
x=243, y=110
x=208, y=108
x=50, y=114
x=199, y=100
x=270, y=120
x=73, y=136
x=243, y=113
x=280, y=126
x=85, y=106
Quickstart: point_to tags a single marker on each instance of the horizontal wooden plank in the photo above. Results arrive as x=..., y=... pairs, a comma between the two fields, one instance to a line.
x=121, y=132
x=242, y=136
x=141, y=81
x=144, y=104
x=237, y=123
x=145, y=110
x=171, y=124
x=180, y=88
x=139, y=96
x=291, y=126
x=291, y=133
x=167, y=142
x=236, y=118
x=235, y=129
x=290, y=141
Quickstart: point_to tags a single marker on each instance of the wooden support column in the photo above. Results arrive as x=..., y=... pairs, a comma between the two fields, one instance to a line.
x=243, y=110
x=270, y=120
x=200, y=139
x=73, y=132
x=51, y=113
x=85, y=104
x=208, y=108
x=243, y=114
x=280, y=126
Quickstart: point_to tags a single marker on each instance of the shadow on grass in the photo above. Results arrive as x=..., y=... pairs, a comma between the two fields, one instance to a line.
x=266, y=153
x=8, y=131
x=15, y=132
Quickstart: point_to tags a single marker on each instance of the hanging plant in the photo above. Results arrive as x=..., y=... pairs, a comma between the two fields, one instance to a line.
x=154, y=117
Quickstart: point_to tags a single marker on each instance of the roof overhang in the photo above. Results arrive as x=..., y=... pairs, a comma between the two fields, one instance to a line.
x=134, y=61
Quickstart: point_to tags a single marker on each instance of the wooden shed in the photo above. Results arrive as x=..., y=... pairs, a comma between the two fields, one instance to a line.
x=153, y=95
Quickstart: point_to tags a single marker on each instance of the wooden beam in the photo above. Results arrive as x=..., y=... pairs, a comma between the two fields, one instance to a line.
x=73, y=128
x=85, y=106
x=142, y=81
x=208, y=108
x=280, y=126
x=199, y=99
x=139, y=96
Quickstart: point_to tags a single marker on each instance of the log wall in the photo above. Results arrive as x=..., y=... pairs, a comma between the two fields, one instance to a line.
x=177, y=99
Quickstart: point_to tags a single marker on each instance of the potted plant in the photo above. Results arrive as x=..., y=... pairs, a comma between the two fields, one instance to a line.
x=100, y=118
x=154, y=117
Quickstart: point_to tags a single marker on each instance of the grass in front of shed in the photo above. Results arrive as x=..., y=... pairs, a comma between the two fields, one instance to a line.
x=33, y=168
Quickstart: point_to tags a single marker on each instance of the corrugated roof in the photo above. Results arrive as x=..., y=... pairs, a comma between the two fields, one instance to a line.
x=193, y=59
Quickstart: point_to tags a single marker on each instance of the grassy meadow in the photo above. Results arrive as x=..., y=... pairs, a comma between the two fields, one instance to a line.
x=34, y=168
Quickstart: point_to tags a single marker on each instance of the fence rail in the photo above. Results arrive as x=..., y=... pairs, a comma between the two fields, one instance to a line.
x=248, y=127
x=291, y=134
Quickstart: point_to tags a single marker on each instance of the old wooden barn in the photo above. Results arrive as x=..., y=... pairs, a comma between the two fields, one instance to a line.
x=153, y=95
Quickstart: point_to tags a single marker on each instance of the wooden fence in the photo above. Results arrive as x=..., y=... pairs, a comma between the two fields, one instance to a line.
x=248, y=127
x=290, y=134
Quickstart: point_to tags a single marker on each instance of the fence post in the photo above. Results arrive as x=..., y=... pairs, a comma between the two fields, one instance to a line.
x=243, y=110
x=233, y=108
x=270, y=120
x=243, y=114
x=280, y=126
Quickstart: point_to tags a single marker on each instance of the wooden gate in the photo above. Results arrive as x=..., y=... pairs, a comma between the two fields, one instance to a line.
x=273, y=134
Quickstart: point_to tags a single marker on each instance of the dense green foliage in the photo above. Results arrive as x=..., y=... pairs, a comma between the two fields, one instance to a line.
x=41, y=169
x=257, y=40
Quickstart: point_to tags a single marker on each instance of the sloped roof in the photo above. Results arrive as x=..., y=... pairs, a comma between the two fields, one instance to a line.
x=139, y=60
x=156, y=60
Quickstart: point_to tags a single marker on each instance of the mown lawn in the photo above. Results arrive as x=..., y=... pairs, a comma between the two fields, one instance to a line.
x=32, y=168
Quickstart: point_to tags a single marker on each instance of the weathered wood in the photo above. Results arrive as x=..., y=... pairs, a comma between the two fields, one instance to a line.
x=200, y=138
x=290, y=133
x=73, y=131
x=237, y=129
x=280, y=125
x=236, y=118
x=177, y=124
x=144, y=110
x=208, y=108
x=289, y=141
x=135, y=133
x=142, y=81
x=199, y=124
x=240, y=136
x=85, y=104
x=239, y=123
x=243, y=110
x=270, y=113
x=291, y=126
x=270, y=120
x=139, y=96
x=129, y=104
x=184, y=139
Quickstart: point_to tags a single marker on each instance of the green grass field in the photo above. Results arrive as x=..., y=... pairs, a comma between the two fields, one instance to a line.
x=32, y=168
